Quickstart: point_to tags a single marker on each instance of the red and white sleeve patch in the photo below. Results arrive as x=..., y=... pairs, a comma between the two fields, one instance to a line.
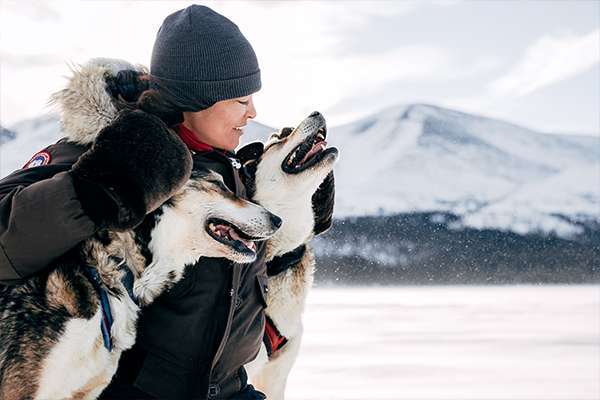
x=40, y=158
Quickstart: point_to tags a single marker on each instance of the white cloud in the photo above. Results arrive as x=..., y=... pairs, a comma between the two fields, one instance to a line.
x=295, y=42
x=39, y=40
x=550, y=60
x=36, y=9
x=299, y=49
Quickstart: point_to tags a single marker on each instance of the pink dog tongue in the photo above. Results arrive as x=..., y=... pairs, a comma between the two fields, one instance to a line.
x=235, y=236
x=315, y=149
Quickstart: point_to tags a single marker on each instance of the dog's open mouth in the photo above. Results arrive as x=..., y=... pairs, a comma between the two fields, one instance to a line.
x=230, y=235
x=308, y=153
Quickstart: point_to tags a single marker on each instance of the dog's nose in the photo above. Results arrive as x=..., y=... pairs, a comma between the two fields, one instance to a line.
x=276, y=221
x=314, y=114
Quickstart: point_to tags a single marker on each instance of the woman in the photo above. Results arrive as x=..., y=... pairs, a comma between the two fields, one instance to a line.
x=194, y=340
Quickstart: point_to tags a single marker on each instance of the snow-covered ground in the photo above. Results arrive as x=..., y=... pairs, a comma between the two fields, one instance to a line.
x=450, y=342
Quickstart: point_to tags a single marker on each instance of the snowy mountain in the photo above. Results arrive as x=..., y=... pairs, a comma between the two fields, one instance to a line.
x=31, y=135
x=426, y=159
x=492, y=174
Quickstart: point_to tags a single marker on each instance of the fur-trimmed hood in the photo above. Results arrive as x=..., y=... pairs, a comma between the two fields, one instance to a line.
x=85, y=104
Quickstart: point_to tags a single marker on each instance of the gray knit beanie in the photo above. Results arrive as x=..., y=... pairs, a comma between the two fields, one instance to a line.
x=201, y=57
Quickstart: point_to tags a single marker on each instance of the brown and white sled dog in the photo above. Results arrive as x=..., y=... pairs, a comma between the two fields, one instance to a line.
x=284, y=178
x=51, y=342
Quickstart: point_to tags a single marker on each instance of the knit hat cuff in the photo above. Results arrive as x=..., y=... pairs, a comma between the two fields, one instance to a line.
x=199, y=95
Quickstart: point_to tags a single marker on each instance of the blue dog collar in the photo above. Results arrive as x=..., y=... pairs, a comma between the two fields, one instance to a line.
x=106, y=321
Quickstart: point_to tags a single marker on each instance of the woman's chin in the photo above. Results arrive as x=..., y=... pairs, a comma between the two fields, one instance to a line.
x=234, y=142
x=230, y=146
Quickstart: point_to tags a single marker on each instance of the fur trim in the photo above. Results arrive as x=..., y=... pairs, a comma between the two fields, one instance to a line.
x=85, y=105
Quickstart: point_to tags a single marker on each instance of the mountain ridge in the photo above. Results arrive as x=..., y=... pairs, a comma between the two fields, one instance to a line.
x=425, y=158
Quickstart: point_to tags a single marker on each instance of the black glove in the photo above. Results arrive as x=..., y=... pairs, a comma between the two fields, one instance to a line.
x=127, y=85
x=322, y=204
x=134, y=165
x=131, y=88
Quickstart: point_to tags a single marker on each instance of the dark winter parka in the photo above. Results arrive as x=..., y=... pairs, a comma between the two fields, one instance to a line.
x=193, y=340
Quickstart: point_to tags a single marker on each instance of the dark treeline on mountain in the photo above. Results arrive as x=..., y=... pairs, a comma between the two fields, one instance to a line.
x=430, y=248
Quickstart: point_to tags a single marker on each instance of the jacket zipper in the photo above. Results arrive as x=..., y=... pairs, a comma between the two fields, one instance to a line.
x=235, y=283
x=237, y=272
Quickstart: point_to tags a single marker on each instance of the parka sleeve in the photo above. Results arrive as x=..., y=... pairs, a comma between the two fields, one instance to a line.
x=40, y=219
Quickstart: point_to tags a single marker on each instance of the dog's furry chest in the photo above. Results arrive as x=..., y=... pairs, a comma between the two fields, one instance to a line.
x=296, y=230
x=81, y=349
x=288, y=292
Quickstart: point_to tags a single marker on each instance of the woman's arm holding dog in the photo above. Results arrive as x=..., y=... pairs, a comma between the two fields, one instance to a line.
x=40, y=219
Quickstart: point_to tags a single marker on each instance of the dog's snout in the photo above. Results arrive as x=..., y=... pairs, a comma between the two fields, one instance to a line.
x=314, y=114
x=276, y=221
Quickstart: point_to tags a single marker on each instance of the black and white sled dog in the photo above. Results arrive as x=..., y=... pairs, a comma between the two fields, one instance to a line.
x=284, y=177
x=62, y=332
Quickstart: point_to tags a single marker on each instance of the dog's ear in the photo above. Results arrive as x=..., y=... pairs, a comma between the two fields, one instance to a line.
x=249, y=156
x=250, y=152
x=322, y=205
x=285, y=132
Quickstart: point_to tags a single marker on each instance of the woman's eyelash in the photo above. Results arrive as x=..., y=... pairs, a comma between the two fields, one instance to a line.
x=243, y=102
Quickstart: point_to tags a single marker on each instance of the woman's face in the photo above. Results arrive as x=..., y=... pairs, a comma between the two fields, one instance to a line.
x=221, y=125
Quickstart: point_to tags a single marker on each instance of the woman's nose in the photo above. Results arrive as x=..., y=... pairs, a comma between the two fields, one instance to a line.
x=251, y=111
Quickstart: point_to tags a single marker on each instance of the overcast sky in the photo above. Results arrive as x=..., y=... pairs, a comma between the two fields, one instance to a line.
x=533, y=63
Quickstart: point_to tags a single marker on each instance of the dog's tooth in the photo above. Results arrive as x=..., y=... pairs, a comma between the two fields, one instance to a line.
x=249, y=244
x=211, y=226
x=221, y=231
